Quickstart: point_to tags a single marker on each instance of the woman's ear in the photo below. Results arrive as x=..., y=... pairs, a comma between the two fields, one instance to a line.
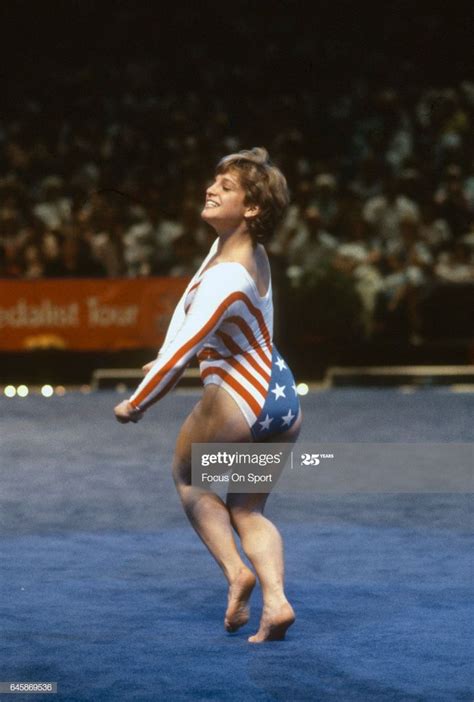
x=252, y=211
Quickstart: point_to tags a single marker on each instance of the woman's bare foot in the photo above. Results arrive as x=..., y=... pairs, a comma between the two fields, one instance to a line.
x=274, y=623
x=238, y=611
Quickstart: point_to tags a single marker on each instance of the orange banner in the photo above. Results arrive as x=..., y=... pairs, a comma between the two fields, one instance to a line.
x=87, y=315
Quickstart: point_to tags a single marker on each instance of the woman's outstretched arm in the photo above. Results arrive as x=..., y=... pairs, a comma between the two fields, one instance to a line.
x=216, y=293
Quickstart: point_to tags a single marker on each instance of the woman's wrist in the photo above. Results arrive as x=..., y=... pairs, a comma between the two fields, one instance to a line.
x=134, y=408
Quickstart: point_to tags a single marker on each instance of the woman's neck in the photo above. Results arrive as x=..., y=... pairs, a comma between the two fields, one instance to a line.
x=234, y=243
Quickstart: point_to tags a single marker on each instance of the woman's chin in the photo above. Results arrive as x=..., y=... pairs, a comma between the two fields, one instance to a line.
x=207, y=216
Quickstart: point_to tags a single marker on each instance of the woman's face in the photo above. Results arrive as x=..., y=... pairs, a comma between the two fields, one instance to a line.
x=224, y=207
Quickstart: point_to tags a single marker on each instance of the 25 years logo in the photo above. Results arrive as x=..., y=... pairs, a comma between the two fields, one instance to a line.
x=314, y=459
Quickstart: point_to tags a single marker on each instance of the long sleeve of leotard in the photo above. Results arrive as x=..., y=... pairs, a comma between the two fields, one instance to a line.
x=179, y=314
x=176, y=322
x=216, y=293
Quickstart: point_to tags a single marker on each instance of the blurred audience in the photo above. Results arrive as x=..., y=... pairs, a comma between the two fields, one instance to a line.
x=115, y=186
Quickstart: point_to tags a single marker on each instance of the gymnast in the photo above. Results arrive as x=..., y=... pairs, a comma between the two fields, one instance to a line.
x=225, y=318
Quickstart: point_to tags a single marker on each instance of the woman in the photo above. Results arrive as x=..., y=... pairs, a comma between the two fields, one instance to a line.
x=226, y=317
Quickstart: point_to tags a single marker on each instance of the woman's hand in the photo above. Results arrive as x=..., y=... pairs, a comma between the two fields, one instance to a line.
x=148, y=366
x=125, y=412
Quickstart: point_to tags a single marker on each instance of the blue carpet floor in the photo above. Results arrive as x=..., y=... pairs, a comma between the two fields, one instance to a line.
x=106, y=590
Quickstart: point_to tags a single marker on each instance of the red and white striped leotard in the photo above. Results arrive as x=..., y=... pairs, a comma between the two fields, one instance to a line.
x=222, y=319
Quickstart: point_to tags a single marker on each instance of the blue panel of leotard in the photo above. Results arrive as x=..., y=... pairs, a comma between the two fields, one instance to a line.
x=281, y=406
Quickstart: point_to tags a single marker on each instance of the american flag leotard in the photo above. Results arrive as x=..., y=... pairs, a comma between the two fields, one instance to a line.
x=224, y=321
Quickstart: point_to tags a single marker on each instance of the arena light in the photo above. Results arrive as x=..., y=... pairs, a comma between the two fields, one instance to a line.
x=10, y=391
x=407, y=389
x=60, y=390
x=47, y=390
x=302, y=389
x=22, y=391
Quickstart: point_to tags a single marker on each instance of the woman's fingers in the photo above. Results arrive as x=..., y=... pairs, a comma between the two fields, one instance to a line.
x=148, y=366
x=121, y=413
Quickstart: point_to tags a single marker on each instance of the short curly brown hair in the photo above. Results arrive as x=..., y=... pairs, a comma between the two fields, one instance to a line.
x=264, y=185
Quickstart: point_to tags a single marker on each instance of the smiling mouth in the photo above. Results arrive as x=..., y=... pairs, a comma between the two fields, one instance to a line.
x=210, y=204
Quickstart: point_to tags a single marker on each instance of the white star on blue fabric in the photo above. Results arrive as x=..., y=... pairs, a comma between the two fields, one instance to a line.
x=280, y=363
x=287, y=418
x=279, y=391
x=266, y=423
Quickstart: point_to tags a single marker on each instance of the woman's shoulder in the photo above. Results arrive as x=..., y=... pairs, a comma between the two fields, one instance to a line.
x=230, y=272
x=234, y=275
x=251, y=273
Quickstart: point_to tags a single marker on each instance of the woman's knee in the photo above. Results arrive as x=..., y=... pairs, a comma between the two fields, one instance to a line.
x=239, y=517
x=244, y=510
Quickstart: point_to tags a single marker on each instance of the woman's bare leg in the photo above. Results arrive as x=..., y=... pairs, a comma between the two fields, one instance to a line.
x=215, y=419
x=263, y=545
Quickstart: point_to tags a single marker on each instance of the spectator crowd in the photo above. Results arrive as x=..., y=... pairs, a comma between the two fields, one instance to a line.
x=381, y=181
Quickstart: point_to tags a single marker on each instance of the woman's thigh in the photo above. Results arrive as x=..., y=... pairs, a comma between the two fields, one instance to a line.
x=215, y=418
x=255, y=502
